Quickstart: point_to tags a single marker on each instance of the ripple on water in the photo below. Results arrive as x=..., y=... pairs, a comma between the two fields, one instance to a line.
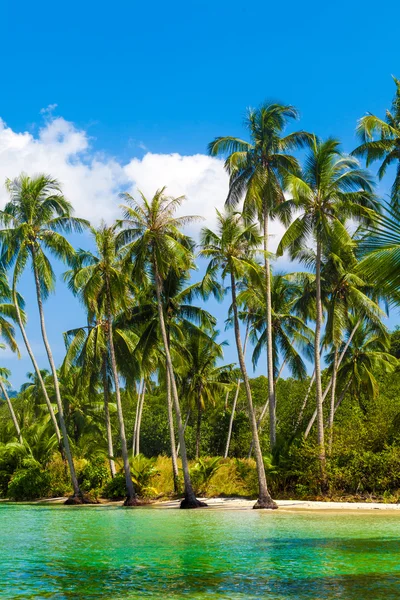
x=112, y=553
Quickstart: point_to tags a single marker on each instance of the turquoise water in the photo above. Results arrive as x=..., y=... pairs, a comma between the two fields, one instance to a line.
x=116, y=553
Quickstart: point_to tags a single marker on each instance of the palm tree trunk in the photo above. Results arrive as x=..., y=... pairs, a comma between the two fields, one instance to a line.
x=198, y=428
x=110, y=446
x=139, y=395
x=333, y=394
x=226, y=401
x=77, y=497
x=184, y=429
x=174, y=455
x=139, y=422
x=228, y=440
x=342, y=395
x=318, y=382
x=270, y=362
x=312, y=420
x=37, y=371
x=264, y=499
x=265, y=407
x=303, y=406
x=12, y=413
x=190, y=500
x=131, y=499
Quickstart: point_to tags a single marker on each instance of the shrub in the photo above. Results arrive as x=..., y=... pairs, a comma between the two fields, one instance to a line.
x=115, y=489
x=29, y=484
x=93, y=475
x=202, y=473
x=143, y=470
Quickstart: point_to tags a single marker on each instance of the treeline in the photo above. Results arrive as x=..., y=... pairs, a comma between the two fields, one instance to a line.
x=149, y=346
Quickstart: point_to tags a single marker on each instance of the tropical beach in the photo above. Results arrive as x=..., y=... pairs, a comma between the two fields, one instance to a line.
x=199, y=302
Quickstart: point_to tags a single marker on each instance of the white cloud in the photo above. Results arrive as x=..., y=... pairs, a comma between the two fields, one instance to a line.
x=92, y=181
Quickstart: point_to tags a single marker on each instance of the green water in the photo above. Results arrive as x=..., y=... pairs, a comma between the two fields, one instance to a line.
x=116, y=553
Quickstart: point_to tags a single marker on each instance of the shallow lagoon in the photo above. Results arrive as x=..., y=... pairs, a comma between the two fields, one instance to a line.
x=115, y=553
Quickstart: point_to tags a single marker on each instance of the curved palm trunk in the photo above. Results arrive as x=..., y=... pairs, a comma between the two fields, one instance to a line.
x=190, y=500
x=230, y=428
x=12, y=413
x=139, y=422
x=312, y=420
x=198, y=428
x=37, y=371
x=174, y=455
x=110, y=446
x=264, y=498
x=131, y=499
x=318, y=382
x=77, y=497
x=270, y=361
x=333, y=394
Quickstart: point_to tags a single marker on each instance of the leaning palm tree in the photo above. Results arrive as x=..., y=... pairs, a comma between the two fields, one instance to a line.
x=256, y=170
x=34, y=219
x=154, y=244
x=103, y=288
x=380, y=140
x=331, y=189
x=231, y=251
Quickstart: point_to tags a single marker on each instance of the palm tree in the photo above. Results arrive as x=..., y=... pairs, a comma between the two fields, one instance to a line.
x=32, y=219
x=367, y=355
x=331, y=189
x=154, y=242
x=231, y=252
x=103, y=288
x=202, y=379
x=87, y=348
x=386, y=147
x=183, y=319
x=256, y=171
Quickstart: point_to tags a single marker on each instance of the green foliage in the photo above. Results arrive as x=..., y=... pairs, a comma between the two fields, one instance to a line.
x=143, y=471
x=29, y=483
x=93, y=475
x=115, y=489
x=202, y=473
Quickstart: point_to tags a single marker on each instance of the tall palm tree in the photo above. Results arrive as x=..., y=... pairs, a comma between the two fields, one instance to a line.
x=380, y=140
x=155, y=244
x=103, y=288
x=231, y=251
x=34, y=219
x=330, y=189
x=256, y=171
x=183, y=319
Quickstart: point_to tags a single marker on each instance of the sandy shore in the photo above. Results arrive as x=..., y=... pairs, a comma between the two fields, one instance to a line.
x=243, y=504
x=290, y=505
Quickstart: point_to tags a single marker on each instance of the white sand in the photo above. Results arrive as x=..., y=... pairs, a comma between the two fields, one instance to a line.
x=289, y=505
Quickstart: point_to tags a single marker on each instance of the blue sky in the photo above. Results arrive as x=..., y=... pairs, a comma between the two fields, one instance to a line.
x=136, y=82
